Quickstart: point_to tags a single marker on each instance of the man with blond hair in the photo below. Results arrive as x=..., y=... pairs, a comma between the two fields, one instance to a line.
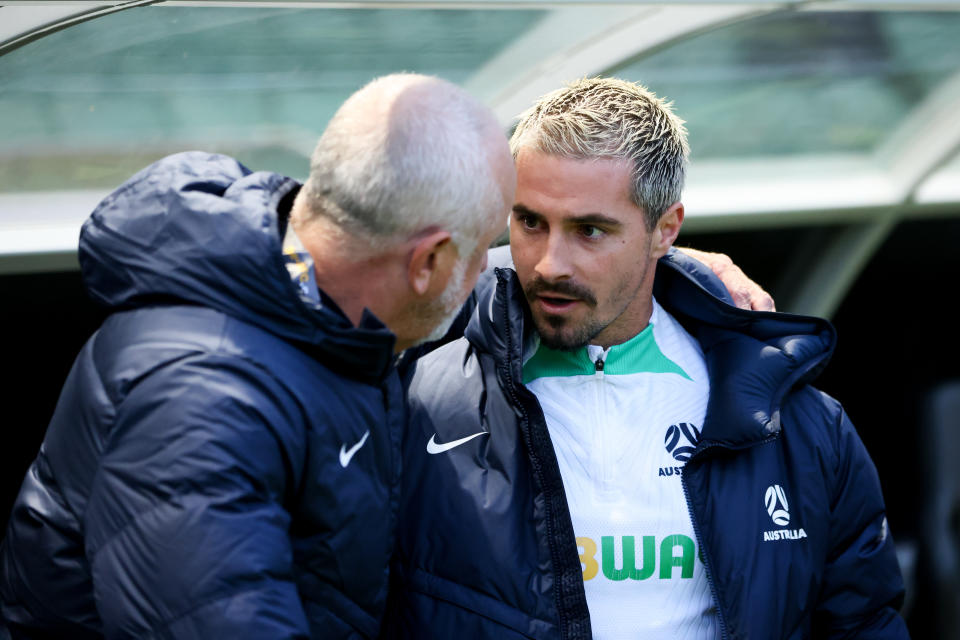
x=605, y=455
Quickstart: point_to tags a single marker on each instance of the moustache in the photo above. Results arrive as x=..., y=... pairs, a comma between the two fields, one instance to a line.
x=540, y=287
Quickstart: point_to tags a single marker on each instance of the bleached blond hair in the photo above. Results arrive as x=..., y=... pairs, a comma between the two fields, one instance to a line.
x=405, y=153
x=612, y=118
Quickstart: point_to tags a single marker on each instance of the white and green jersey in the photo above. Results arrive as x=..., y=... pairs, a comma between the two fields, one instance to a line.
x=623, y=422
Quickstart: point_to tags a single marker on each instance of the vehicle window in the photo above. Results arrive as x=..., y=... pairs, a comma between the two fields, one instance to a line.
x=85, y=107
x=797, y=83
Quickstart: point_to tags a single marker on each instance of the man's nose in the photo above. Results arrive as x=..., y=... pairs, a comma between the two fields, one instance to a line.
x=555, y=263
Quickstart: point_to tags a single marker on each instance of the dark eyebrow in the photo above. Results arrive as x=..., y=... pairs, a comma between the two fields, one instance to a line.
x=522, y=210
x=596, y=219
x=587, y=218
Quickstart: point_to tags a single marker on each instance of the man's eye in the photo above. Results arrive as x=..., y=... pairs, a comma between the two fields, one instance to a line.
x=529, y=222
x=590, y=231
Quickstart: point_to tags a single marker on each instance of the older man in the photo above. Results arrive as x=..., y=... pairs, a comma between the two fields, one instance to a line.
x=600, y=457
x=224, y=458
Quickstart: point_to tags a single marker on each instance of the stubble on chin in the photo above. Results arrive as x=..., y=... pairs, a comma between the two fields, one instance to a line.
x=559, y=334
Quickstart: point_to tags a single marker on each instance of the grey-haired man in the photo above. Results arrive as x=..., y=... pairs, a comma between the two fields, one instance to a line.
x=224, y=458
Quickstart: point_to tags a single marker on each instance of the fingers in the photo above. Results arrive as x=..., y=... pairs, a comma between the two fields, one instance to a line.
x=746, y=293
x=762, y=301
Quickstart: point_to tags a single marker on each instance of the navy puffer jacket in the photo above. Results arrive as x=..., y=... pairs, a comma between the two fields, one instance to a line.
x=223, y=461
x=486, y=547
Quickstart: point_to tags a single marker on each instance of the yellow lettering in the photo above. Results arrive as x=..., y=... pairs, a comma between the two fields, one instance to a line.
x=588, y=549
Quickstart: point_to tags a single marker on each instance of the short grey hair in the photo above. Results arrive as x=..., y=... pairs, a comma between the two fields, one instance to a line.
x=612, y=118
x=404, y=154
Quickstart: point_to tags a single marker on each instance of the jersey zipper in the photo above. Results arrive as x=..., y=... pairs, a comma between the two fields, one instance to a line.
x=602, y=434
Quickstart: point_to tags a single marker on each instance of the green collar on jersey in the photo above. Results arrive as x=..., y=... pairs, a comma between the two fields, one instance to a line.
x=639, y=354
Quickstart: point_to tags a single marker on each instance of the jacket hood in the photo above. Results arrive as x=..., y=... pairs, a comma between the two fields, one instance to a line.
x=200, y=228
x=754, y=358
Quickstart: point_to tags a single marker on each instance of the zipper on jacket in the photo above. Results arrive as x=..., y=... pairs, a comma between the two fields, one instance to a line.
x=721, y=621
x=568, y=628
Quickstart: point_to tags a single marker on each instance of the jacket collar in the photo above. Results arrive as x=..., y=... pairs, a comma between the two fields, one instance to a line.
x=199, y=228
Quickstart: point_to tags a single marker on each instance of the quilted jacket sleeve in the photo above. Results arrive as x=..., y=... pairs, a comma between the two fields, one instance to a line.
x=186, y=532
x=862, y=584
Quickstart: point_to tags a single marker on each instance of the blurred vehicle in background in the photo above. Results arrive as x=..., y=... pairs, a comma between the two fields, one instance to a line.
x=825, y=160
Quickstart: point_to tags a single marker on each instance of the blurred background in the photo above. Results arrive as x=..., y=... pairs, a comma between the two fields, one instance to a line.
x=825, y=144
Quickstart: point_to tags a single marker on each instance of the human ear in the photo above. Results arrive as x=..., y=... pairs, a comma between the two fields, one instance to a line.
x=431, y=262
x=667, y=229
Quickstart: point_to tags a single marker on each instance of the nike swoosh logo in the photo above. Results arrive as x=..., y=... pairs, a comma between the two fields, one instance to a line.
x=434, y=448
x=347, y=454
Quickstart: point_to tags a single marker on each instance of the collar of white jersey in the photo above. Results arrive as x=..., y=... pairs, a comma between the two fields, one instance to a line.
x=639, y=354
